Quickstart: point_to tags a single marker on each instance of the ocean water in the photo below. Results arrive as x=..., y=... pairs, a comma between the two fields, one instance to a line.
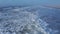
x=29, y=20
x=54, y=3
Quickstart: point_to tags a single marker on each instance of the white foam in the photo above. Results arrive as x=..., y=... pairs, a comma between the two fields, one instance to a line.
x=23, y=22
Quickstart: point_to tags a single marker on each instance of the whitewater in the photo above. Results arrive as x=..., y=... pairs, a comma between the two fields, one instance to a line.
x=23, y=20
